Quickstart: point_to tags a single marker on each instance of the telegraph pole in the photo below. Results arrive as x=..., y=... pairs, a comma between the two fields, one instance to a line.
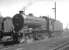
x=55, y=10
x=54, y=15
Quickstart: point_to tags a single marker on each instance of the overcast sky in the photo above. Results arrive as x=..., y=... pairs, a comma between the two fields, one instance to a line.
x=37, y=7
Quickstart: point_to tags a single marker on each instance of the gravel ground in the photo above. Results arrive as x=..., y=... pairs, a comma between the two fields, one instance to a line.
x=47, y=44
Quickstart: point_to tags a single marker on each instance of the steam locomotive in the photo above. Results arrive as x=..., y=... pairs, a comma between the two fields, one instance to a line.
x=9, y=27
x=19, y=27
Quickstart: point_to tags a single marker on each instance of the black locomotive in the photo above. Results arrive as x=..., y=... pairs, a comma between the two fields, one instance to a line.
x=15, y=35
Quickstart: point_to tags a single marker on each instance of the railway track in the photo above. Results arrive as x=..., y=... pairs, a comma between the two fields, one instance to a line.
x=55, y=44
x=58, y=45
x=61, y=46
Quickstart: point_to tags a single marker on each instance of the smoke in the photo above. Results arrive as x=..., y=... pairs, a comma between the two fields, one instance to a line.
x=31, y=2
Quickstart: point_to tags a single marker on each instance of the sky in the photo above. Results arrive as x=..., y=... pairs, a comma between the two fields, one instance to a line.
x=38, y=8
